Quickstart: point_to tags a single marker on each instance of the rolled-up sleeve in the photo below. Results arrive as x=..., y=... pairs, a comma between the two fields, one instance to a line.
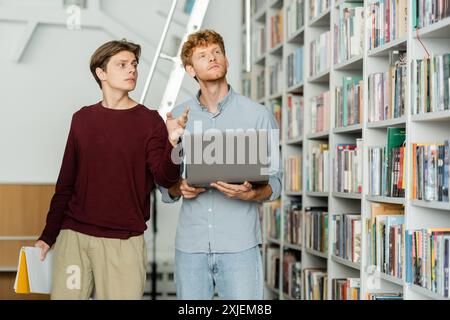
x=275, y=184
x=276, y=164
x=166, y=197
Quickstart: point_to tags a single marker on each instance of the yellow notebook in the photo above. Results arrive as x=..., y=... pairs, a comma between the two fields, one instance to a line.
x=33, y=275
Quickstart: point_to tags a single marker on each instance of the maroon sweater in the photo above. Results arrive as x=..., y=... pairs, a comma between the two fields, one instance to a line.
x=111, y=163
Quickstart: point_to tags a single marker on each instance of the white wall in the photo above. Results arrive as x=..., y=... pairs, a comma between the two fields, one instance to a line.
x=40, y=92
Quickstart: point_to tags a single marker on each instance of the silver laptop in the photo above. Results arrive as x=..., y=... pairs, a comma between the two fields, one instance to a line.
x=233, y=156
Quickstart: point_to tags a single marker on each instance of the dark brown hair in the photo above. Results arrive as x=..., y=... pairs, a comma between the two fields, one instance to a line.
x=102, y=55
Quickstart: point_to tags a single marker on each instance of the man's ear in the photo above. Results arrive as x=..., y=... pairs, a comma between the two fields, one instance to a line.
x=101, y=74
x=190, y=70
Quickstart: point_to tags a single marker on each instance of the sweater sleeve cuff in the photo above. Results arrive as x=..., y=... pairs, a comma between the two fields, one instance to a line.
x=49, y=237
x=166, y=197
x=173, y=160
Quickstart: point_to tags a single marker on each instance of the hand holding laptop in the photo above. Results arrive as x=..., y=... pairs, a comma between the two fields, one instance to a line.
x=235, y=191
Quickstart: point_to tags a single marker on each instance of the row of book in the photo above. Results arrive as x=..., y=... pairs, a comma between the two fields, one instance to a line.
x=346, y=289
x=295, y=114
x=348, y=167
x=349, y=32
x=317, y=7
x=349, y=101
x=275, y=78
x=315, y=284
x=293, y=173
x=387, y=21
x=272, y=266
x=428, y=259
x=385, y=238
x=388, y=90
x=319, y=54
x=430, y=171
x=293, y=222
x=346, y=242
x=292, y=275
x=387, y=165
x=318, y=170
x=316, y=228
x=276, y=28
x=428, y=12
x=431, y=83
x=294, y=67
x=320, y=112
x=272, y=216
x=294, y=16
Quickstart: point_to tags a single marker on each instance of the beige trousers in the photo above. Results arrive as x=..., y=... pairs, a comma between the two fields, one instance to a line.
x=109, y=268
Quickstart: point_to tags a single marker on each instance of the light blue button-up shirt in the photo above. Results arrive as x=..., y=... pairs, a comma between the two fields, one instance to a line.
x=211, y=222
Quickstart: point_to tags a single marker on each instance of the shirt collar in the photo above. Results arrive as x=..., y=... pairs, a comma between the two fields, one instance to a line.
x=221, y=105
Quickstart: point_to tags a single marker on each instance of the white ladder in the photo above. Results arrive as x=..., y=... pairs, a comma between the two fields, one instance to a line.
x=176, y=75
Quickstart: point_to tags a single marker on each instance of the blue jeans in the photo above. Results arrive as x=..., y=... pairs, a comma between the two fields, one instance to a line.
x=236, y=276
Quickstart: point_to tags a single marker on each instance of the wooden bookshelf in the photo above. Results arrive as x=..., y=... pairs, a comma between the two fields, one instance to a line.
x=427, y=127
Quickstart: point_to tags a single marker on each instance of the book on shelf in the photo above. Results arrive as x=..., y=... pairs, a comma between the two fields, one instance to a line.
x=276, y=28
x=275, y=108
x=294, y=103
x=428, y=259
x=272, y=267
x=316, y=228
x=395, y=162
x=294, y=67
x=349, y=32
x=246, y=86
x=293, y=173
x=259, y=41
x=384, y=296
x=315, y=284
x=320, y=112
x=349, y=101
x=317, y=7
x=346, y=289
x=294, y=16
x=430, y=171
x=272, y=214
x=386, y=238
x=388, y=90
x=260, y=85
x=425, y=13
x=293, y=222
x=348, y=164
x=275, y=78
x=346, y=242
x=431, y=84
x=318, y=159
x=292, y=274
x=387, y=165
x=320, y=54
x=387, y=21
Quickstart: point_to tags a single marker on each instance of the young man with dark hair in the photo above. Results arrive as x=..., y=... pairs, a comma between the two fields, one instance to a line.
x=218, y=233
x=117, y=150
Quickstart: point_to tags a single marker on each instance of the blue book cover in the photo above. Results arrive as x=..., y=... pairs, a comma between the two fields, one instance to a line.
x=408, y=262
